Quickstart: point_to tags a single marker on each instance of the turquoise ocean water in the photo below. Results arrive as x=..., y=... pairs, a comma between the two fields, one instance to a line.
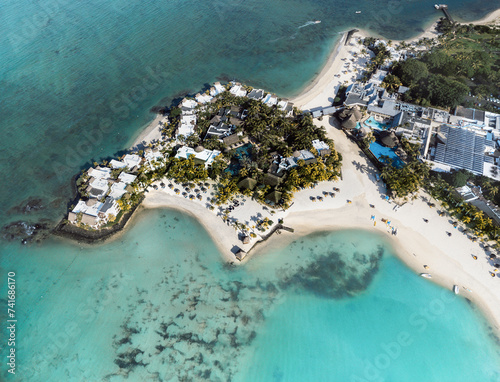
x=163, y=307
x=77, y=82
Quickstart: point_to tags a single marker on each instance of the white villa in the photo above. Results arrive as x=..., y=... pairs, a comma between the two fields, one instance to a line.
x=238, y=90
x=204, y=155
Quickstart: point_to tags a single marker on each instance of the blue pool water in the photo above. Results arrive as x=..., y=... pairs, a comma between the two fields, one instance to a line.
x=374, y=124
x=380, y=150
x=241, y=153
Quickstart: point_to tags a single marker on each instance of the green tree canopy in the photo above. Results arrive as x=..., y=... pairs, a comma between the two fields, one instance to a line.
x=411, y=71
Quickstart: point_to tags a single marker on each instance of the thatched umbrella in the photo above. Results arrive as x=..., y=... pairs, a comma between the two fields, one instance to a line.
x=274, y=197
x=199, y=149
x=247, y=183
x=296, y=154
x=356, y=113
x=364, y=131
x=349, y=123
x=388, y=139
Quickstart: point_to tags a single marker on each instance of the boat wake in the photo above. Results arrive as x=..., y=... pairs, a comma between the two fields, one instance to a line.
x=292, y=37
x=309, y=23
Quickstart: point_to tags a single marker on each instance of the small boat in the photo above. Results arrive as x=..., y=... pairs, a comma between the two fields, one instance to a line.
x=455, y=289
x=358, y=12
x=426, y=275
x=317, y=21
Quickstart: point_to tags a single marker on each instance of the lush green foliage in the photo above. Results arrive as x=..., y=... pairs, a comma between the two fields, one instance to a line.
x=475, y=219
x=465, y=59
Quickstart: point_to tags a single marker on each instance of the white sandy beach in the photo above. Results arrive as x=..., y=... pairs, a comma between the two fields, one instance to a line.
x=344, y=65
x=151, y=133
x=417, y=243
x=492, y=18
x=449, y=259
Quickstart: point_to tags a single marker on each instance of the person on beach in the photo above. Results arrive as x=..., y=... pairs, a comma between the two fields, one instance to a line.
x=426, y=220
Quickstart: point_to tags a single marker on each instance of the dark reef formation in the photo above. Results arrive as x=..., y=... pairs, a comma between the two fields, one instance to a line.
x=331, y=276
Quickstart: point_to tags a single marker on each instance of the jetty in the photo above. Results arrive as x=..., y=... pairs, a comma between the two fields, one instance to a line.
x=444, y=8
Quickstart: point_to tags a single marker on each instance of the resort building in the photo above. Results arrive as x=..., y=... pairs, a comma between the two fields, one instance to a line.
x=217, y=89
x=188, y=105
x=117, y=190
x=378, y=77
x=287, y=107
x=461, y=148
x=256, y=94
x=152, y=158
x=93, y=212
x=132, y=161
x=126, y=178
x=200, y=154
x=219, y=130
x=203, y=98
x=321, y=147
x=117, y=164
x=270, y=100
x=238, y=90
x=287, y=163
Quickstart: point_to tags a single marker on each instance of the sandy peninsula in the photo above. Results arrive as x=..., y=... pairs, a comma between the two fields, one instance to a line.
x=449, y=259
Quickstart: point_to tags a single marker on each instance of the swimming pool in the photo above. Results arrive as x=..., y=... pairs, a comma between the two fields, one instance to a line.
x=241, y=153
x=374, y=124
x=380, y=150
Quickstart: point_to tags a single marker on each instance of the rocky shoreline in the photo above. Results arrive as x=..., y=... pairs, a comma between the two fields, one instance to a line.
x=70, y=231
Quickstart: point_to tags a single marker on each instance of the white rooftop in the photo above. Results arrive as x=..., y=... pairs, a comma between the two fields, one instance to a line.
x=282, y=105
x=238, y=91
x=103, y=172
x=189, y=103
x=85, y=208
x=151, y=156
x=320, y=145
x=117, y=164
x=270, y=100
x=126, y=178
x=132, y=160
x=117, y=190
x=203, y=98
x=99, y=183
x=207, y=156
x=217, y=89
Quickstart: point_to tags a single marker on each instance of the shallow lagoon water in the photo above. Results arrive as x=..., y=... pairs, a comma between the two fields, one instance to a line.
x=157, y=304
x=78, y=80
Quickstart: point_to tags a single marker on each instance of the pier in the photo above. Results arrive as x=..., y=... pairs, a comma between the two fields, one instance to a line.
x=444, y=8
